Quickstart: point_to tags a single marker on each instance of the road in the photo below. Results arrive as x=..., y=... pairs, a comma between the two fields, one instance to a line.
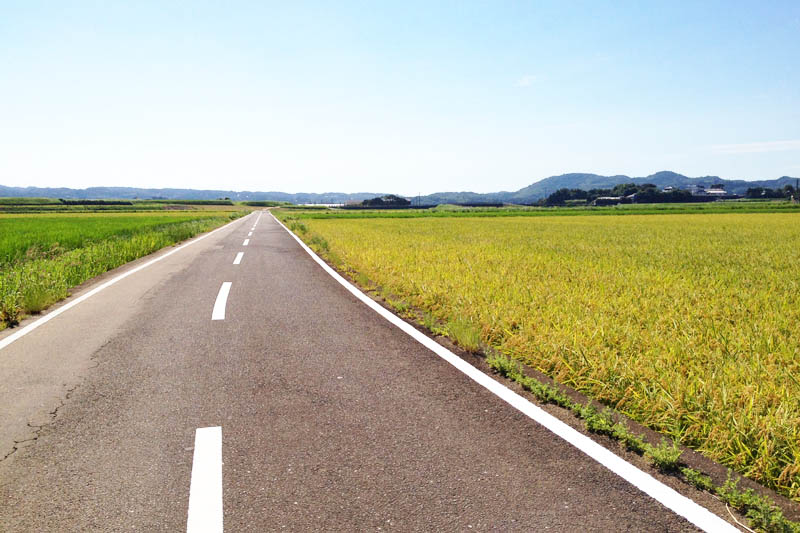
x=331, y=418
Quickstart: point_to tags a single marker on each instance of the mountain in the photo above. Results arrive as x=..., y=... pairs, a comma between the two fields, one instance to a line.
x=543, y=188
x=526, y=195
x=463, y=197
x=662, y=179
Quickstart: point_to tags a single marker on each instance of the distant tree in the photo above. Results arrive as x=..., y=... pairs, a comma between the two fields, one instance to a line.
x=562, y=196
x=558, y=198
x=648, y=195
x=676, y=196
x=624, y=189
x=765, y=192
x=390, y=200
x=645, y=193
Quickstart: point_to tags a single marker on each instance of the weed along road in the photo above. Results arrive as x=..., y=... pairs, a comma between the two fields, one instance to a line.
x=236, y=383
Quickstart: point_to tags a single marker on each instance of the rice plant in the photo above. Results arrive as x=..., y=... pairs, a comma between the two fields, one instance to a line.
x=689, y=324
x=43, y=256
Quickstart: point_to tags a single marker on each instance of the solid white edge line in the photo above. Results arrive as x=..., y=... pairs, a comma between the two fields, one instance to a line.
x=670, y=498
x=205, y=490
x=51, y=315
x=238, y=258
x=246, y=242
x=222, y=300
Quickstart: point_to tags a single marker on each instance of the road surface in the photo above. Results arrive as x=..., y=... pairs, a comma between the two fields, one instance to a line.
x=330, y=417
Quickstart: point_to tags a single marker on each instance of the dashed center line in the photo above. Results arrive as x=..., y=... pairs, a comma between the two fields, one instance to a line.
x=222, y=299
x=250, y=234
x=238, y=258
x=246, y=242
x=205, y=491
x=69, y=305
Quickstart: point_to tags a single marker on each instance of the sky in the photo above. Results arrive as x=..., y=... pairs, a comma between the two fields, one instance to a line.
x=400, y=97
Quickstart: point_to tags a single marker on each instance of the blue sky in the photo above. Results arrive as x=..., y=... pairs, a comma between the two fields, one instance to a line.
x=405, y=97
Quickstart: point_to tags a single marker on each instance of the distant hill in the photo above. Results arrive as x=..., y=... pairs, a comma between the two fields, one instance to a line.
x=132, y=193
x=526, y=195
x=662, y=179
x=542, y=188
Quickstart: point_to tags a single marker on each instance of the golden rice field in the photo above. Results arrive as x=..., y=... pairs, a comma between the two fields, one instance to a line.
x=689, y=324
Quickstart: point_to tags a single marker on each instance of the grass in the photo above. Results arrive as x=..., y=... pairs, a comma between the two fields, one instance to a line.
x=665, y=456
x=43, y=256
x=318, y=243
x=464, y=334
x=763, y=514
x=688, y=324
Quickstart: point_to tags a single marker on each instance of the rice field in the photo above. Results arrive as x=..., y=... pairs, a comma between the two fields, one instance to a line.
x=689, y=324
x=42, y=256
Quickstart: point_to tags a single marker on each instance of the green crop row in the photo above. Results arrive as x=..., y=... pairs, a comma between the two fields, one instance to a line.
x=48, y=235
x=44, y=257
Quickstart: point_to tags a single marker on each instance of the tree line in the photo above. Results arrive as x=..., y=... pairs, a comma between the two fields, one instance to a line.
x=649, y=193
x=646, y=193
x=765, y=192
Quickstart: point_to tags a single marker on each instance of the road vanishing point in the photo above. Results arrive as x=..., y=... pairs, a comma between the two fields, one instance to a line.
x=233, y=383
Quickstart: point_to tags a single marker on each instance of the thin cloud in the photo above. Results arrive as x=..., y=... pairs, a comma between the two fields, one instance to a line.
x=759, y=147
x=526, y=81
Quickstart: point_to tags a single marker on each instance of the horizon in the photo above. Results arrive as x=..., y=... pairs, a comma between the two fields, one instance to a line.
x=417, y=98
x=456, y=190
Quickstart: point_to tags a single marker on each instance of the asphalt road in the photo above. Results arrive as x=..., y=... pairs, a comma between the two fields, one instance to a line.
x=331, y=418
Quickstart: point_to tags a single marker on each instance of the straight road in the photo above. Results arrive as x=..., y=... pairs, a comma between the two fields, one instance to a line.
x=330, y=417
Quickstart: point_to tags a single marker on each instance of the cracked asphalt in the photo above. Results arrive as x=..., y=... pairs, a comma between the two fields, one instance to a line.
x=331, y=418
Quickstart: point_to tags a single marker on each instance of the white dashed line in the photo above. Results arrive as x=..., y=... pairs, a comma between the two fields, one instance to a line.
x=256, y=222
x=205, y=491
x=222, y=299
x=238, y=258
x=66, y=307
x=246, y=242
x=250, y=234
x=670, y=498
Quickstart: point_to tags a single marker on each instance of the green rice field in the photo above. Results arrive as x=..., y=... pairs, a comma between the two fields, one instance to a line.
x=42, y=256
